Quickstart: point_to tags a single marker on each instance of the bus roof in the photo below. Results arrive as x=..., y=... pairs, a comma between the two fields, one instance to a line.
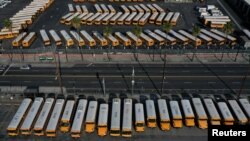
x=111, y=9
x=145, y=37
x=198, y=106
x=139, y=112
x=132, y=36
x=116, y=113
x=68, y=110
x=226, y=114
x=40, y=123
x=103, y=114
x=164, y=35
x=20, y=113
x=205, y=37
x=92, y=109
x=138, y=16
x=175, y=109
x=29, y=119
x=229, y=37
x=65, y=35
x=76, y=36
x=153, y=35
x=127, y=114
x=163, y=110
x=169, y=16
x=108, y=17
x=150, y=108
x=79, y=115
x=121, y=36
x=179, y=36
x=237, y=111
x=247, y=32
x=116, y=16
x=20, y=37
x=132, y=8
x=212, y=35
x=99, y=36
x=246, y=106
x=54, y=35
x=86, y=35
x=176, y=16
x=158, y=7
x=67, y=15
x=131, y=16
x=187, y=108
x=212, y=111
x=44, y=35
x=29, y=36
x=145, y=8
x=112, y=38
x=52, y=125
x=188, y=35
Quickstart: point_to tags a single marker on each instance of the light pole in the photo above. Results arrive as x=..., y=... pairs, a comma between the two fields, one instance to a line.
x=133, y=81
x=103, y=86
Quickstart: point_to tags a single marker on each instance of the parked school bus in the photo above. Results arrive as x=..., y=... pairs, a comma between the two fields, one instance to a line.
x=160, y=41
x=115, y=117
x=127, y=118
x=104, y=8
x=195, y=40
x=77, y=124
x=207, y=40
x=227, y=117
x=176, y=114
x=121, y=20
x=144, y=19
x=175, y=18
x=134, y=38
x=151, y=114
x=164, y=115
x=188, y=113
x=91, y=20
x=45, y=37
x=181, y=38
x=111, y=9
x=88, y=39
x=101, y=40
x=18, y=41
x=56, y=37
x=70, y=18
x=68, y=40
x=147, y=39
x=145, y=8
x=125, y=9
x=51, y=130
x=137, y=18
x=77, y=38
x=106, y=20
x=160, y=18
x=201, y=115
x=103, y=120
x=132, y=8
x=99, y=19
x=158, y=8
x=43, y=118
x=91, y=117
x=113, y=40
x=129, y=19
x=113, y=20
x=62, y=20
x=98, y=8
x=67, y=116
x=231, y=40
x=29, y=120
x=218, y=40
x=214, y=117
x=17, y=120
x=246, y=107
x=123, y=39
x=139, y=9
x=237, y=111
x=139, y=117
x=168, y=17
x=29, y=39
x=170, y=40
x=84, y=19
x=153, y=10
x=85, y=9
x=153, y=17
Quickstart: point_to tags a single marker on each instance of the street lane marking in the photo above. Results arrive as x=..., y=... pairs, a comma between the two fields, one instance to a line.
x=6, y=70
x=89, y=64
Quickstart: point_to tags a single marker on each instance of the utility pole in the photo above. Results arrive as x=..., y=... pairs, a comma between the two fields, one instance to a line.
x=58, y=72
x=163, y=74
x=133, y=81
x=103, y=86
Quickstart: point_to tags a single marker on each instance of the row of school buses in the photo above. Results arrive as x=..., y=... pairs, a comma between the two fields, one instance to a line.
x=25, y=17
x=130, y=15
x=111, y=0
x=46, y=117
x=147, y=38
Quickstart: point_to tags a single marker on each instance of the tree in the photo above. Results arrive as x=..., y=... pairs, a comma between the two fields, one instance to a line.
x=228, y=29
x=167, y=27
x=106, y=32
x=137, y=31
x=7, y=24
x=76, y=24
x=195, y=31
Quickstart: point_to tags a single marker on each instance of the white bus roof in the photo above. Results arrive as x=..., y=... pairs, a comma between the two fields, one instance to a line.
x=54, y=35
x=29, y=36
x=154, y=15
x=150, y=108
x=116, y=16
x=237, y=110
x=145, y=16
x=65, y=35
x=164, y=35
x=150, y=6
x=163, y=110
x=29, y=119
x=116, y=113
x=71, y=8
x=57, y=111
x=98, y=8
x=76, y=36
x=223, y=34
x=87, y=16
x=79, y=115
x=78, y=9
x=111, y=9
x=20, y=37
x=94, y=17
x=121, y=36
x=175, y=110
x=103, y=114
x=104, y=8
x=212, y=35
x=127, y=114
x=102, y=16
x=40, y=123
x=187, y=108
x=86, y=35
x=138, y=16
x=92, y=109
x=247, y=32
x=153, y=35
x=169, y=16
x=161, y=16
x=145, y=8
x=226, y=114
x=198, y=106
x=188, y=35
x=68, y=110
x=112, y=38
x=139, y=113
x=123, y=17
x=205, y=37
x=158, y=7
x=132, y=36
x=131, y=16
x=108, y=16
x=73, y=16
x=212, y=111
x=179, y=36
x=125, y=9
x=44, y=35
x=132, y=8
x=246, y=106
x=85, y=9
x=139, y=9
x=82, y=15
x=176, y=16
x=145, y=37
x=20, y=113
x=216, y=17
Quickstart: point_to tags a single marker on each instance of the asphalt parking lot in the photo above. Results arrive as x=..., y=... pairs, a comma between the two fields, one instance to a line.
x=50, y=18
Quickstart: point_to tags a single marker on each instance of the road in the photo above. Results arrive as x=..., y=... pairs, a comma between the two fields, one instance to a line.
x=118, y=77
